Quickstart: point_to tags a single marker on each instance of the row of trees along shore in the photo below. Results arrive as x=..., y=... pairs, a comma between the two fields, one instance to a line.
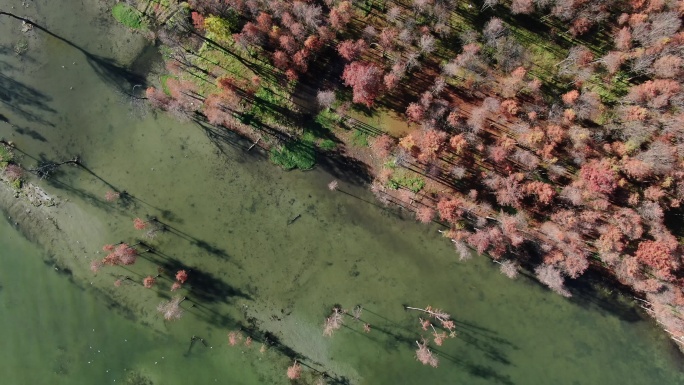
x=546, y=134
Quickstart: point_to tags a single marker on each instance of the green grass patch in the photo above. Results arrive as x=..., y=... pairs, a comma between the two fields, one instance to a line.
x=406, y=180
x=613, y=91
x=128, y=16
x=164, y=86
x=296, y=154
x=328, y=119
x=360, y=138
x=269, y=106
x=327, y=144
x=6, y=156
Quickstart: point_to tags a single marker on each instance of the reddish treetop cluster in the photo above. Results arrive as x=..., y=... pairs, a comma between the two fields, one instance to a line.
x=121, y=254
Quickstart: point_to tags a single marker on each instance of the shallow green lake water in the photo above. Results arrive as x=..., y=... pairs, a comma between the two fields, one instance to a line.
x=227, y=211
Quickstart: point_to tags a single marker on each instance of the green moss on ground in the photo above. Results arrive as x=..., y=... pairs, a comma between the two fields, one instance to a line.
x=128, y=16
x=6, y=156
x=406, y=179
x=295, y=154
x=360, y=138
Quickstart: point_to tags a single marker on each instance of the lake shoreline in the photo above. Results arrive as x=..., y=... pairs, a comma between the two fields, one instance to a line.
x=225, y=216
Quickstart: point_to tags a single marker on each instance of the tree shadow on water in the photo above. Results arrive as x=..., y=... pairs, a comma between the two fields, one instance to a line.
x=205, y=287
x=480, y=338
x=344, y=167
x=202, y=244
x=33, y=134
x=23, y=99
x=221, y=137
x=106, y=68
x=591, y=291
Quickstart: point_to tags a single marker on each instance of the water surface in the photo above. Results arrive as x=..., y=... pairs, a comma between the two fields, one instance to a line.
x=228, y=212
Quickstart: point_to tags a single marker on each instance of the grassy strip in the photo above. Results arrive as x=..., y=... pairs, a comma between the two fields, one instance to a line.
x=6, y=156
x=295, y=154
x=128, y=16
x=409, y=180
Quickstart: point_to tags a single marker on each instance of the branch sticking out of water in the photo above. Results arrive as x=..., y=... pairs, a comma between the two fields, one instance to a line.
x=443, y=317
x=47, y=168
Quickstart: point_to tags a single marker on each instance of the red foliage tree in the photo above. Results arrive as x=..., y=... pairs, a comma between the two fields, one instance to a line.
x=264, y=22
x=508, y=191
x=121, y=254
x=325, y=34
x=139, y=224
x=388, y=38
x=313, y=43
x=668, y=66
x=636, y=168
x=498, y=154
x=510, y=108
x=623, y=39
x=425, y=356
x=365, y=79
x=181, y=276
x=183, y=92
x=149, y=281
x=252, y=34
x=452, y=119
x=612, y=61
x=127, y=254
x=157, y=98
x=570, y=97
x=95, y=265
x=288, y=43
x=599, y=176
x=551, y=277
x=341, y=15
x=522, y=6
x=424, y=214
x=391, y=80
x=111, y=196
x=218, y=108
x=298, y=31
x=291, y=74
x=300, y=60
x=634, y=114
x=655, y=93
x=544, y=191
x=654, y=193
x=415, y=112
x=610, y=240
x=294, y=371
x=479, y=240
x=197, y=21
x=382, y=145
x=350, y=50
x=431, y=143
x=450, y=209
x=458, y=143
x=280, y=59
x=234, y=338
x=657, y=255
x=227, y=83
x=580, y=26
x=575, y=263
